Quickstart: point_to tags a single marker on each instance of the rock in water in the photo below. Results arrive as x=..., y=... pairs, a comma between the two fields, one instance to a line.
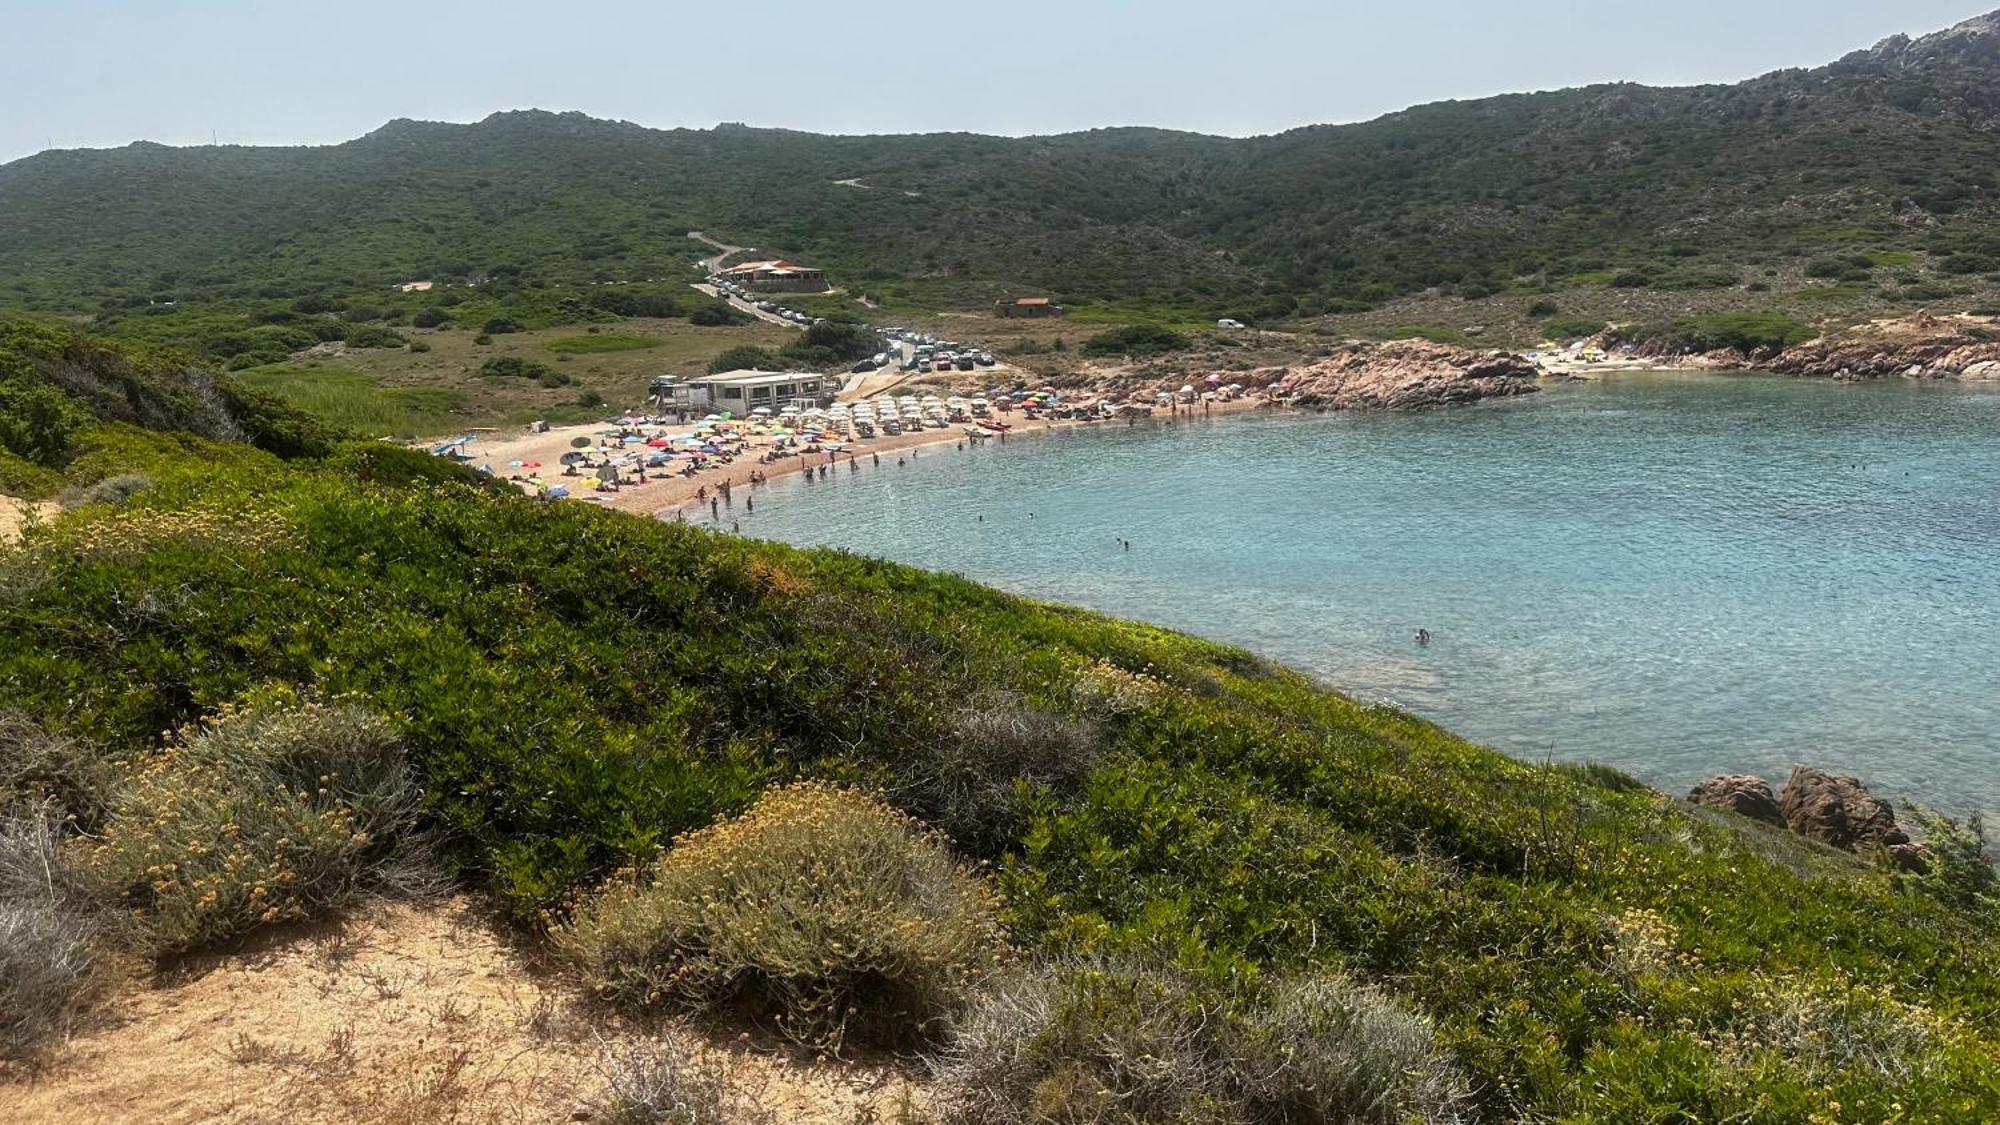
x=1742, y=794
x=1837, y=809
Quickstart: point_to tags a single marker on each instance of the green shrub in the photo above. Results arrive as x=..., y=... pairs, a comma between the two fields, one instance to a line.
x=22, y=478
x=482, y=339
x=276, y=813
x=514, y=367
x=430, y=316
x=1121, y=1043
x=718, y=315
x=744, y=357
x=418, y=347
x=1542, y=308
x=824, y=906
x=1135, y=340
x=1572, y=328
x=1630, y=279
x=500, y=326
x=1960, y=871
x=372, y=336
x=1740, y=332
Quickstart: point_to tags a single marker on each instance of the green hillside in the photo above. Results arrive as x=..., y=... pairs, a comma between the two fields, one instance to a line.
x=573, y=688
x=1888, y=155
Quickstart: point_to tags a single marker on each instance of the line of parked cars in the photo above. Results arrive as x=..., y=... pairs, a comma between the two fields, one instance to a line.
x=925, y=353
x=731, y=289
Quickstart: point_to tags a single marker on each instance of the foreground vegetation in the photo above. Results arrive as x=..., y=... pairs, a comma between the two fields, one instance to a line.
x=1301, y=908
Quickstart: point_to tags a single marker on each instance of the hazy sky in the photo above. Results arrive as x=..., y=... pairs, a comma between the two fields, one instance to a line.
x=91, y=73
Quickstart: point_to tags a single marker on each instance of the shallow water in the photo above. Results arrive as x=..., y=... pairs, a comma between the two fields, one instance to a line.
x=1678, y=575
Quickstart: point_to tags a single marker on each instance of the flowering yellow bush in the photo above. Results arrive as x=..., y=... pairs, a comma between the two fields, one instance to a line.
x=271, y=814
x=821, y=905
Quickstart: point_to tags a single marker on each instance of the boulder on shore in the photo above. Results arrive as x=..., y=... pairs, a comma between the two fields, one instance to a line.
x=1742, y=794
x=1837, y=809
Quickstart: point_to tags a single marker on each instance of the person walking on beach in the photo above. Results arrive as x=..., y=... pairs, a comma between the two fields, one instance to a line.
x=749, y=504
x=878, y=459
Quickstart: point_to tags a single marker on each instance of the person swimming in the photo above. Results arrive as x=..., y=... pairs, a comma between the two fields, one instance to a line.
x=1423, y=637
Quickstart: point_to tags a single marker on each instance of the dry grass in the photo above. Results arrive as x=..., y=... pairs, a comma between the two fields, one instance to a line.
x=823, y=908
x=621, y=378
x=47, y=959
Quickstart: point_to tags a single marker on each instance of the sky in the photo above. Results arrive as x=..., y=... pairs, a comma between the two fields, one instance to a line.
x=92, y=73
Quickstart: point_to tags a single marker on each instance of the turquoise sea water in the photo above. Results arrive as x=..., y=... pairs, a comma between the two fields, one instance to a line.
x=1677, y=575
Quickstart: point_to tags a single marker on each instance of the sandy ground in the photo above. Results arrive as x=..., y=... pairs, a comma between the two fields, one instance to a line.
x=14, y=514
x=408, y=1014
x=672, y=493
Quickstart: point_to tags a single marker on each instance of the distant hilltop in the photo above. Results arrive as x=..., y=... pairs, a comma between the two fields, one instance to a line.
x=1891, y=149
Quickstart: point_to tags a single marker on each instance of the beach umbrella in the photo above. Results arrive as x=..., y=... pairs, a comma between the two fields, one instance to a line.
x=574, y=458
x=532, y=464
x=558, y=492
x=658, y=443
x=515, y=464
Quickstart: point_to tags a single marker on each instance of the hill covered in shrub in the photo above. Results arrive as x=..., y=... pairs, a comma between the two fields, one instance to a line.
x=1877, y=168
x=1225, y=893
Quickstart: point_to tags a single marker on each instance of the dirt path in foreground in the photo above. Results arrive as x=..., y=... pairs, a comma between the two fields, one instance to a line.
x=409, y=1014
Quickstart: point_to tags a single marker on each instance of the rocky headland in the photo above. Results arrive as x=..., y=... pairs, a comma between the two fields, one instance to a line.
x=1918, y=347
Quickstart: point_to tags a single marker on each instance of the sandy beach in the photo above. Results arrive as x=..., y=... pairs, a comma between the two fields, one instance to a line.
x=663, y=494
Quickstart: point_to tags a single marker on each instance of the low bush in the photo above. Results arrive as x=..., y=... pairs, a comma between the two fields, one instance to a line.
x=1960, y=870
x=274, y=813
x=1542, y=308
x=744, y=357
x=821, y=906
x=114, y=491
x=970, y=785
x=430, y=316
x=1130, y=1044
x=1136, y=340
x=1325, y=1049
x=372, y=336
x=514, y=367
x=1572, y=328
x=1740, y=332
x=40, y=769
x=499, y=326
x=657, y=1082
x=46, y=936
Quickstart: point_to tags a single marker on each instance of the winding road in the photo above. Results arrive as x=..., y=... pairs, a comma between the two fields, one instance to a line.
x=713, y=263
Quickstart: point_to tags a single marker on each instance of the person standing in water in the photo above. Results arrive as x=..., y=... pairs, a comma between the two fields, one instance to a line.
x=1423, y=637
